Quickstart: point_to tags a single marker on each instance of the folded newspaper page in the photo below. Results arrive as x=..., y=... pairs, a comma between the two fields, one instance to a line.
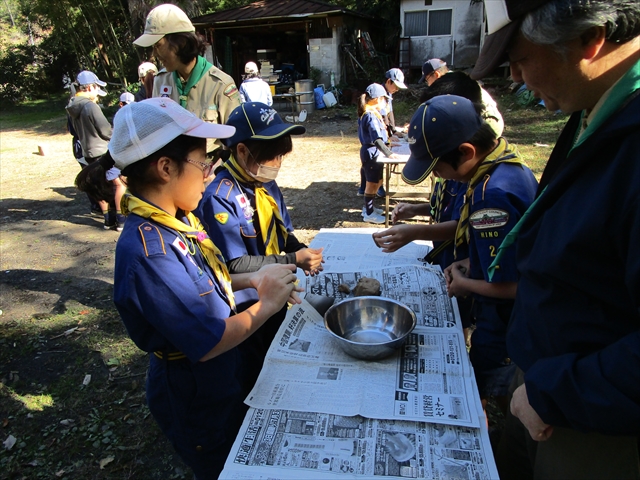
x=428, y=379
x=284, y=444
x=353, y=250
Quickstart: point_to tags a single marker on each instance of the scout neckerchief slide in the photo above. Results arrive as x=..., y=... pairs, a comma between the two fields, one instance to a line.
x=201, y=67
x=503, y=153
x=194, y=231
x=268, y=212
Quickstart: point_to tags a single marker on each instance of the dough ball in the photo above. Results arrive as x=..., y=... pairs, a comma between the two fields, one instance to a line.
x=367, y=286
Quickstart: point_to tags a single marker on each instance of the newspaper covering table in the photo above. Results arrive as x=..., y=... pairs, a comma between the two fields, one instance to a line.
x=352, y=249
x=318, y=413
x=429, y=379
x=282, y=444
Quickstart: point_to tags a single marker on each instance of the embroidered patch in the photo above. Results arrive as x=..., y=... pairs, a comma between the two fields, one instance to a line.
x=267, y=115
x=222, y=217
x=230, y=90
x=488, y=218
x=166, y=90
x=180, y=245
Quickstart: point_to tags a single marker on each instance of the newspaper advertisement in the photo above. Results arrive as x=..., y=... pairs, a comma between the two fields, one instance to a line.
x=428, y=379
x=353, y=249
x=284, y=444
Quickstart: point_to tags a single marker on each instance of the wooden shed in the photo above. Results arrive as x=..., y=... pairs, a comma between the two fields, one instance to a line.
x=283, y=36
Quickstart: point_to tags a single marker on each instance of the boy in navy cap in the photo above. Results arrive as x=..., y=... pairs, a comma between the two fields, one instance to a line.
x=448, y=137
x=243, y=209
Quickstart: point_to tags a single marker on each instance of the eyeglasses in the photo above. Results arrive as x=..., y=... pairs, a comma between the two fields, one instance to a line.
x=206, y=168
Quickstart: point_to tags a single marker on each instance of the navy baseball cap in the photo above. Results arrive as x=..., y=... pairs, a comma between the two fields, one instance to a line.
x=376, y=90
x=439, y=126
x=431, y=66
x=503, y=22
x=258, y=121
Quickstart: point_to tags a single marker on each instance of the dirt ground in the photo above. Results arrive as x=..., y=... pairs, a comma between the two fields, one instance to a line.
x=53, y=250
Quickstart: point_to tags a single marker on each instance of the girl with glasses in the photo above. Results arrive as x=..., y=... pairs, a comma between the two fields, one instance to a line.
x=172, y=288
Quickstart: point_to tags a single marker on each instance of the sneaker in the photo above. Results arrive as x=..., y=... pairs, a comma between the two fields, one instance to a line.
x=110, y=220
x=379, y=211
x=381, y=193
x=375, y=217
x=120, y=219
x=361, y=192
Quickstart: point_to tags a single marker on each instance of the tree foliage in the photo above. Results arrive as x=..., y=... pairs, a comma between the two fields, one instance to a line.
x=43, y=40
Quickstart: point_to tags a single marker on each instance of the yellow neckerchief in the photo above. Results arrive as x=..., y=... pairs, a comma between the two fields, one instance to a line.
x=268, y=212
x=372, y=109
x=88, y=95
x=503, y=153
x=437, y=200
x=194, y=231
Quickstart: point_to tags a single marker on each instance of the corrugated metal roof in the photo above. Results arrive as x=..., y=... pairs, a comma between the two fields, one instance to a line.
x=264, y=9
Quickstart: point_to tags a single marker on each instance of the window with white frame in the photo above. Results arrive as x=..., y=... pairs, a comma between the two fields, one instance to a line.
x=428, y=23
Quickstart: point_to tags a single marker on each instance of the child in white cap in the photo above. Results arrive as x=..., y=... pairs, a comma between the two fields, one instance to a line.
x=172, y=288
x=253, y=88
x=373, y=136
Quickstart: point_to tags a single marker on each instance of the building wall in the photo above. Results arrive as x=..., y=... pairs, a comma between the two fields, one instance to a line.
x=324, y=54
x=461, y=48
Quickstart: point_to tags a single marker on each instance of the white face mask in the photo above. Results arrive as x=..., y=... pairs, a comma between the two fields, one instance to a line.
x=265, y=174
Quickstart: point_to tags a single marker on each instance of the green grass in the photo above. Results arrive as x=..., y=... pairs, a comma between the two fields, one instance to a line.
x=64, y=427
x=36, y=113
x=33, y=112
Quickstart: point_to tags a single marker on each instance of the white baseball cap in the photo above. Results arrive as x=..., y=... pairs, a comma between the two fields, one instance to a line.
x=251, y=67
x=127, y=98
x=142, y=128
x=162, y=20
x=86, y=77
x=145, y=68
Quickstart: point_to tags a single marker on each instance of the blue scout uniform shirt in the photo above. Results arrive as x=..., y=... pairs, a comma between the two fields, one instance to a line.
x=370, y=128
x=227, y=216
x=453, y=198
x=165, y=292
x=495, y=207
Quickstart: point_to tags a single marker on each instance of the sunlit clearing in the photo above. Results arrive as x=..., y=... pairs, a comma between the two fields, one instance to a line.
x=35, y=403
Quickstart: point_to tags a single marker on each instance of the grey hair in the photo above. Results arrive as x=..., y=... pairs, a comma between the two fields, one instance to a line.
x=560, y=21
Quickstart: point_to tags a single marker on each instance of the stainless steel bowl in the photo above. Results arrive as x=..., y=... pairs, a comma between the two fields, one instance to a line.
x=370, y=328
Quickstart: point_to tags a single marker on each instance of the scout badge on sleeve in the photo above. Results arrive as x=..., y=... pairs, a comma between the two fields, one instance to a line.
x=165, y=90
x=247, y=209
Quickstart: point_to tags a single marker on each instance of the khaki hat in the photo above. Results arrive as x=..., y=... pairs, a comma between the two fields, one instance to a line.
x=162, y=20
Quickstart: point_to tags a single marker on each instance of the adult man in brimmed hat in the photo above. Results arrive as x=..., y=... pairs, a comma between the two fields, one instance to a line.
x=187, y=77
x=575, y=327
